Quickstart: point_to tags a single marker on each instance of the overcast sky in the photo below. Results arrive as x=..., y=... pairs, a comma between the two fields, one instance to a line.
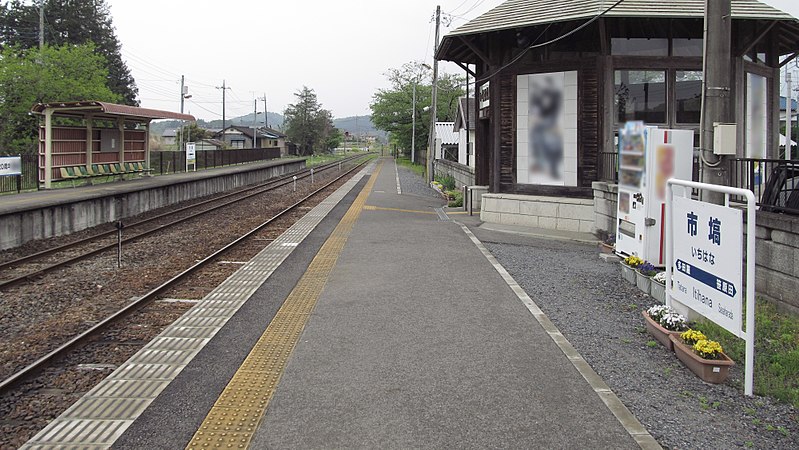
x=340, y=49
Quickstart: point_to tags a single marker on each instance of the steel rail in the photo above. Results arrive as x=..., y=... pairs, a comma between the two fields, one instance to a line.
x=151, y=295
x=251, y=192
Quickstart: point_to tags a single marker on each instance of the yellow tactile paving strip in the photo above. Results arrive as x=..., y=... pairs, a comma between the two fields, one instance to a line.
x=235, y=416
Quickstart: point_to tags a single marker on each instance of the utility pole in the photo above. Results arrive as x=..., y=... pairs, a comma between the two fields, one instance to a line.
x=266, y=117
x=432, y=139
x=182, y=97
x=41, y=25
x=716, y=107
x=254, y=122
x=413, y=129
x=224, y=88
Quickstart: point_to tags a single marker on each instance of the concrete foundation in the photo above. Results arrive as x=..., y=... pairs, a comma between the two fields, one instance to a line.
x=47, y=214
x=555, y=213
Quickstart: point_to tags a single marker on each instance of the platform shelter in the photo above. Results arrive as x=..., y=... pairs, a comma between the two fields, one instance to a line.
x=89, y=138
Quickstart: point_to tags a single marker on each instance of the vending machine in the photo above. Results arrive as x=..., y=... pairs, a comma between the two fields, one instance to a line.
x=648, y=157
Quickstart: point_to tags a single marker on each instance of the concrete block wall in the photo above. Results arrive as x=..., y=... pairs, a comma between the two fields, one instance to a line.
x=463, y=174
x=555, y=213
x=605, y=205
x=777, y=260
x=62, y=217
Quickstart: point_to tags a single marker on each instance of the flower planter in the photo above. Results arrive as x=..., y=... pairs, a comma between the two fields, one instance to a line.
x=657, y=291
x=659, y=333
x=642, y=281
x=709, y=370
x=628, y=273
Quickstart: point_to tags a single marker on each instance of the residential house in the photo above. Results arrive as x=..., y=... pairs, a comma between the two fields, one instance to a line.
x=236, y=136
x=464, y=126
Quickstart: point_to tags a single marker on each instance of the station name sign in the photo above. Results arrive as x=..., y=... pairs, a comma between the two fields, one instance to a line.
x=708, y=261
x=10, y=165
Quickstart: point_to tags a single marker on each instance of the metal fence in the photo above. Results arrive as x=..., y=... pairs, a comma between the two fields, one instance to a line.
x=28, y=180
x=164, y=162
x=161, y=162
x=775, y=182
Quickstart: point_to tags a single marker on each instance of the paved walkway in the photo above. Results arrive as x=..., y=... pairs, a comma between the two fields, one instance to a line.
x=418, y=341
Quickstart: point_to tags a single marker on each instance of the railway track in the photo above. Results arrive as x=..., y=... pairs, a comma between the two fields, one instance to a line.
x=32, y=266
x=36, y=367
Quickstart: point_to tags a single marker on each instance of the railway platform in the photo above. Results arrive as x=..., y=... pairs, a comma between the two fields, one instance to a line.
x=55, y=212
x=377, y=321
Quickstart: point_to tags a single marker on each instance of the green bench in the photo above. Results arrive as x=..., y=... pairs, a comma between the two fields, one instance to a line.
x=101, y=170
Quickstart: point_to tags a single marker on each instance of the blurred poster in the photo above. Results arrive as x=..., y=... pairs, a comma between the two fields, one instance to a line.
x=545, y=127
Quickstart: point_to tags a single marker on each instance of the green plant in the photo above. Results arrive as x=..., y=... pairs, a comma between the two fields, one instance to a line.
x=667, y=371
x=447, y=181
x=770, y=427
x=756, y=421
x=784, y=431
x=652, y=344
x=626, y=340
x=776, y=355
x=456, y=199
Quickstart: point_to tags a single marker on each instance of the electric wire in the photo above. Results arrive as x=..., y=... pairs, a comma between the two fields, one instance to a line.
x=549, y=42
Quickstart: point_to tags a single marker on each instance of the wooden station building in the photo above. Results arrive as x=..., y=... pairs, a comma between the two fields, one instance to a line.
x=556, y=79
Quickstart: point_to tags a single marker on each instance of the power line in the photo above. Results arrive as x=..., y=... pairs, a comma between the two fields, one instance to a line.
x=551, y=41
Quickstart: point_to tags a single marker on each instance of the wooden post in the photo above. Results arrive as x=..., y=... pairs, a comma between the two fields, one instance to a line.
x=147, y=147
x=496, y=132
x=89, y=147
x=121, y=126
x=48, y=148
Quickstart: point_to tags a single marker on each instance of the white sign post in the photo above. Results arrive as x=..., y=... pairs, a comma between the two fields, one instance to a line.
x=191, y=156
x=704, y=260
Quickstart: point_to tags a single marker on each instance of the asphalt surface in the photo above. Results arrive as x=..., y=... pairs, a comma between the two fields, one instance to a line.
x=408, y=349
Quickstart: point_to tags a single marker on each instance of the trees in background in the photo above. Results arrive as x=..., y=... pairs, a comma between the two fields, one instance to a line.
x=393, y=108
x=70, y=22
x=66, y=73
x=308, y=125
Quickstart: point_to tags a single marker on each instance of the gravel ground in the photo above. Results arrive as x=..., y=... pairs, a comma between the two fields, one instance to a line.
x=600, y=314
x=414, y=184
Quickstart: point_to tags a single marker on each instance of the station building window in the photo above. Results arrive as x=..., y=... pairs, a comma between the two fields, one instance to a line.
x=640, y=95
x=688, y=96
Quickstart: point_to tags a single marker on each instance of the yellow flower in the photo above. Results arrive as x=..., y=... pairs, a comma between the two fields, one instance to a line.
x=708, y=349
x=692, y=336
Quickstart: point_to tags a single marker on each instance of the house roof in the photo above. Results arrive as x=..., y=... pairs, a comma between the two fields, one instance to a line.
x=105, y=110
x=461, y=117
x=215, y=142
x=446, y=132
x=515, y=14
x=170, y=132
x=263, y=132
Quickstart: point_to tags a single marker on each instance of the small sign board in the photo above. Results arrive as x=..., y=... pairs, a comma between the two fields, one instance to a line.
x=191, y=156
x=485, y=95
x=10, y=165
x=708, y=261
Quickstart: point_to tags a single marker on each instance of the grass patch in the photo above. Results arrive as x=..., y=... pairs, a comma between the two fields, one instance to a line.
x=418, y=169
x=455, y=199
x=776, y=351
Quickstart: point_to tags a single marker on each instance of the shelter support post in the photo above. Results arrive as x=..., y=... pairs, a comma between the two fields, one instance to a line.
x=48, y=148
x=121, y=125
x=147, y=146
x=89, y=132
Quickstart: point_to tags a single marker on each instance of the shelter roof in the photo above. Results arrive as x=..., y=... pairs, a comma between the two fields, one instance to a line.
x=524, y=13
x=516, y=14
x=105, y=110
